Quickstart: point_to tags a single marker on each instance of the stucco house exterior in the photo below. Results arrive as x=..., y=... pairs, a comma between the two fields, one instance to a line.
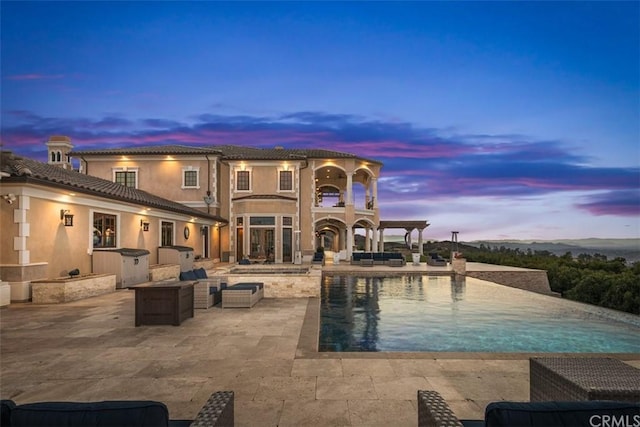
x=52, y=218
x=280, y=204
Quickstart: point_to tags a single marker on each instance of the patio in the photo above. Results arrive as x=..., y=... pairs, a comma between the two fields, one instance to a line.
x=91, y=350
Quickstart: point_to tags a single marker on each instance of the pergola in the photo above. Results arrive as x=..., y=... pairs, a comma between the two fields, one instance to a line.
x=409, y=226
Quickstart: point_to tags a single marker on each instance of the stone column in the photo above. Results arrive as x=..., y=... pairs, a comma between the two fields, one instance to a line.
x=349, y=200
x=420, y=244
x=381, y=247
x=367, y=245
x=374, y=241
x=349, y=242
x=375, y=192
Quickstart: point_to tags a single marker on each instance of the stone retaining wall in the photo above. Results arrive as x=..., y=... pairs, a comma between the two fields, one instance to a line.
x=56, y=291
x=158, y=272
x=281, y=285
x=531, y=280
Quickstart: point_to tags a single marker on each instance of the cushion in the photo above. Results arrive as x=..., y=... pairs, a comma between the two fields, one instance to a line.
x=518, y=414
x=200, y=273
x=6, y=406
x=243, y=287
x=188, y=275
x=244, y=262
x=90, y=414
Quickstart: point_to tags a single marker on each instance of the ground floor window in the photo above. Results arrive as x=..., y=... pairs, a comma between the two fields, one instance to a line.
x=263, y=243
x=104, y=230
x=287, y=234
x=166, y=230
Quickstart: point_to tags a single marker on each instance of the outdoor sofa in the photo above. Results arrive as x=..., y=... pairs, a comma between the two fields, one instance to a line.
x=217, y=411
x=242, y=295
x=207, y=291
x=393, y=259
x=318, y=258
x=436, y=260
x=433, y=411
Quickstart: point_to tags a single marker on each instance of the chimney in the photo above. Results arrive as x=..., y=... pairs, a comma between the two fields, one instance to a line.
x=58, y=149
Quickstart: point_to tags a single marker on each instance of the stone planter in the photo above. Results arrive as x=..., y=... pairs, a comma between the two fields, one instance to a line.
x=65, y=289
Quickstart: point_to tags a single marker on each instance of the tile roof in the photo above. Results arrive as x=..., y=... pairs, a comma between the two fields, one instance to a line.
x=227, y=152
x=20, y=169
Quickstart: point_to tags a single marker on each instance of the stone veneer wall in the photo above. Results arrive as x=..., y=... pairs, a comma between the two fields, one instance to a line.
x=278, y=285
x=59, y=290
x=158, y=272
x=533, y=280
x=206, y=263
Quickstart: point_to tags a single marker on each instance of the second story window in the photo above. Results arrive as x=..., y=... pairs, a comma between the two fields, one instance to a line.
x=286, y=180
x=126, y=177
x=190, y=178
x=243, y=182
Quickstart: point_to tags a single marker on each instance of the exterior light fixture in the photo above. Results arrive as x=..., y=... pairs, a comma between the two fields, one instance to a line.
x=208, y=199
x=67, y=217
x=144, y=225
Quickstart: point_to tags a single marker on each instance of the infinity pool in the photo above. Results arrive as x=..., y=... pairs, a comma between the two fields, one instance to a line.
x=426, y=313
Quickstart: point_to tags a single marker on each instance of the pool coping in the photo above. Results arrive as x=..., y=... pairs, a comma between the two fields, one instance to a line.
x=310, y=333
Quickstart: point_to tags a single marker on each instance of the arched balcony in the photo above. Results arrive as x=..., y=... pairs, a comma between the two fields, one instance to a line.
x=337, y=188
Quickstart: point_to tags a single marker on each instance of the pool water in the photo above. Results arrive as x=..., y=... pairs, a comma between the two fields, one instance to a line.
x=426, y=313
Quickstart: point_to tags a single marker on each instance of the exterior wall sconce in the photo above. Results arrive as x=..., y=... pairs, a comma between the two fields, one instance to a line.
x=67, y=217
x=208, y=199
x=144, y=225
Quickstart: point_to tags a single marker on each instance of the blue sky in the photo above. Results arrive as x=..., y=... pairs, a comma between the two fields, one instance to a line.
x=496, y=119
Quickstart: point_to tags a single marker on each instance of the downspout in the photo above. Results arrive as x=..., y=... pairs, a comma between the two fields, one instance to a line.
x=306, y=165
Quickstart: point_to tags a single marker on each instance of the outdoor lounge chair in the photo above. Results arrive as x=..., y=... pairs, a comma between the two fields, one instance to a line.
x=217, y=411
x=433, y=411
x=242, y=295
x=207, y=291
x=436, y=260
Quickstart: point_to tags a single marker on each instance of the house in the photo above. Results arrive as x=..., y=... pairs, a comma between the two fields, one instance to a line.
x=280, y=204
x=53, y=218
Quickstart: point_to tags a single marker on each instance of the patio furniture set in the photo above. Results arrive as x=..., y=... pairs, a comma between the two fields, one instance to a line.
x=564, y=391
x=170, y=302
x=369, y=259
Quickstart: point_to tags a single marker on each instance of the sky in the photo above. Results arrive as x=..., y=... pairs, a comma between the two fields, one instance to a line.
x=500, y=120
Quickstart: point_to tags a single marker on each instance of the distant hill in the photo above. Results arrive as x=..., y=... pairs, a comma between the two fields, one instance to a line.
x=611, y=248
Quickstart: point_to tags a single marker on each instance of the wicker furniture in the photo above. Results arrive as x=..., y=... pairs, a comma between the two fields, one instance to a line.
x=583, y=378
x=242, y=295
x=163, y=303
x=433, y=411
x=217, y=411
x=208, y=292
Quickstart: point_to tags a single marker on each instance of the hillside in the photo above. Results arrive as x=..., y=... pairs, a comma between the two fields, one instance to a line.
x=628, y=249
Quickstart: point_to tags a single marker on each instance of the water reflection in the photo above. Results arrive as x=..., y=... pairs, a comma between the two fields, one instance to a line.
x=458, y=288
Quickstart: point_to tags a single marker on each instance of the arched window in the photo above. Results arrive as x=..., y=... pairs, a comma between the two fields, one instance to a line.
x=58, y=157
x=53, y=157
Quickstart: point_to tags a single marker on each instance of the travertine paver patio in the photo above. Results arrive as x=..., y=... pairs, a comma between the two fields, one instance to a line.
x=90, y=350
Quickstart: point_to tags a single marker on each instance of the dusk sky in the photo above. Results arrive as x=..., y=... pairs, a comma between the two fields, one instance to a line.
x=499, y=120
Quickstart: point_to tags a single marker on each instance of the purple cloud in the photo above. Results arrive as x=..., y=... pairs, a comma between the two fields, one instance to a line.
x=619, y=203
x=418, y=162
